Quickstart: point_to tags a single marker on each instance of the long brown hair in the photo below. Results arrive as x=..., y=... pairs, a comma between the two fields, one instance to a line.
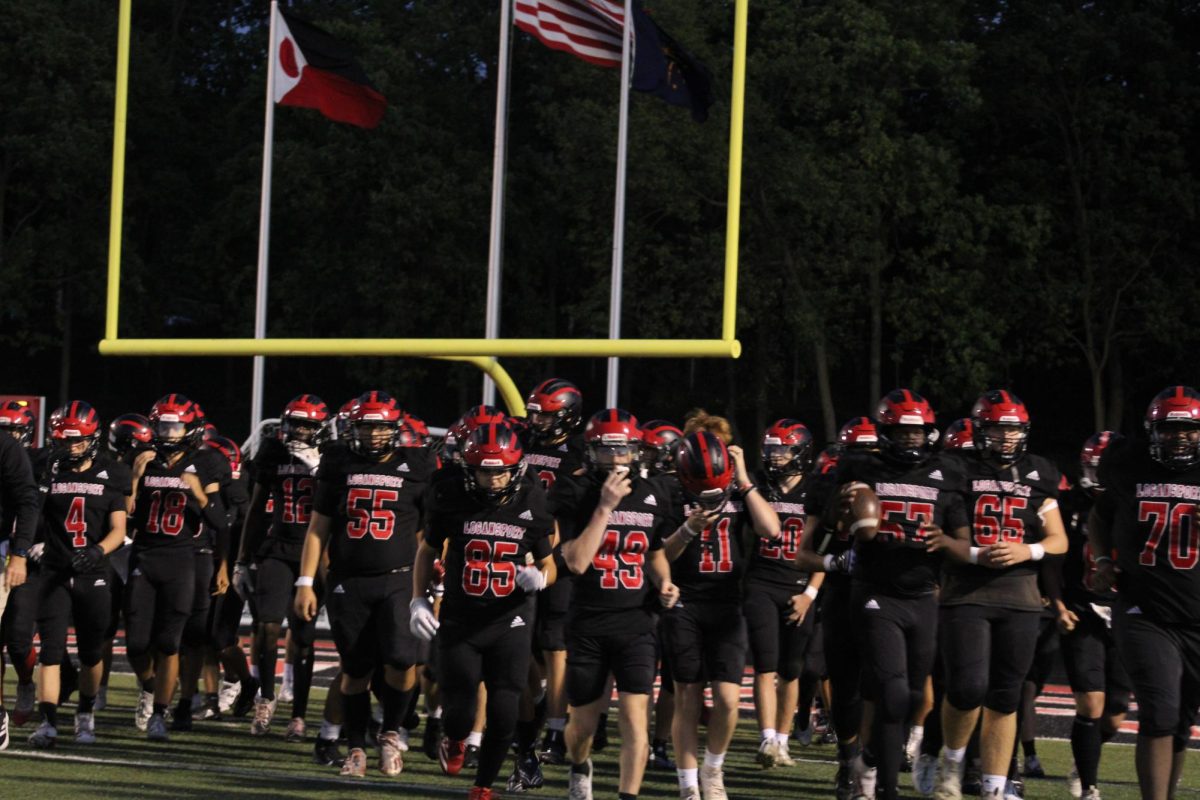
x=700, y=420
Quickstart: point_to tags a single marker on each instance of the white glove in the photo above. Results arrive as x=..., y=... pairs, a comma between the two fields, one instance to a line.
x=531, y=579
x=305, y=453
x=421, y=620
x=36, y=552
x=243, y=581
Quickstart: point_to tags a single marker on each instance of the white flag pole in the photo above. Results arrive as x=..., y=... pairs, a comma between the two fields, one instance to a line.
x=264, y=228
x=499, y=152
x=618, y=251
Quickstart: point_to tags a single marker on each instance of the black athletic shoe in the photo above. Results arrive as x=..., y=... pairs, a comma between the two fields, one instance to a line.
x=600, y=737
x=245, y=699
x=68, y=681
x=660, y=758
x=527, y=774
x=554, y=748
x=181, y=720
x=471, y=761
x=326, y=753
x=432, y=738
x=844, y=782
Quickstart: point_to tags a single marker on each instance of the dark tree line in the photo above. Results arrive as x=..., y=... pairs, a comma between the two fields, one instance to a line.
x=952, y=195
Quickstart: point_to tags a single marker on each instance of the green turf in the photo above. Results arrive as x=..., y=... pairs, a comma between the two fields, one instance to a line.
x=221, y=760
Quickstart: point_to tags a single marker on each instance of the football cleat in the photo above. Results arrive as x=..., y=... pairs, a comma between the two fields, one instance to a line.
x=295, y=730
x=949, y=781
x=805, y=735
x=3, y=728
x=689, y=793
x=23, y=710
x=1033, y=768
x=554, y=748
x=972, y=783
x=245, y=698
x=660, y=758
x=229, y=693
x=1092, y=794
x=924, y=774
x=263, y=711
x=391, y=760
x=402, y=739
x=156, y=728
x=1014, y=790
x=471, y=760
x=712, y=783
x=44, y=737
x=782, y=757
x=355, y=765
x=326, y=753
x=451, y=755
x=432, y=737
x=85, y=727
x=843, y=782
x=767, y=751
x=1074, y=785
x=210, y=710
x=527, y=774
x=865, y=779
x=286, y=691
x=145, y=707
x=580, y=784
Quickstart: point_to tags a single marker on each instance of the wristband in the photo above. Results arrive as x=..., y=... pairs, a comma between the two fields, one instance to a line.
x=1036, y=552
x=745, y=490
x=973, y=555
x=811, y=592
x=303, y=580
x=686, y=532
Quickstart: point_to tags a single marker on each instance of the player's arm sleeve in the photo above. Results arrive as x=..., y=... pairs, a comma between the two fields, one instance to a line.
x=955, y=514
x=19, y=495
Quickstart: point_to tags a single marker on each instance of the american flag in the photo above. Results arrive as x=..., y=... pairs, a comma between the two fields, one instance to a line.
x=590, y=29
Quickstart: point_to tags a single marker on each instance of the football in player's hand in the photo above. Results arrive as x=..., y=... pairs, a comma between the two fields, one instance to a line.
x=860, y=510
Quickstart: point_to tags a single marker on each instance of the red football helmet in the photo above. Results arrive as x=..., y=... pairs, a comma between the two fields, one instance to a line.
x=705, y=469
x=859, y=434
x=827, y=460
x=902, y=409
x=660, y=439
x=458, y=433
x=786, y=448
x=74, y=422
x=303, y=419
x=612, y=433
x=1089, y=458
x=375, y=424
x=341, y=420
x=130, y=432
x=554, y=408
x=177, y=423
x=1173, y=423
x=228, y=448
x=491, y=448
x=17, y=420
x=1000, y=425
x=959, y=435
x=419, y=429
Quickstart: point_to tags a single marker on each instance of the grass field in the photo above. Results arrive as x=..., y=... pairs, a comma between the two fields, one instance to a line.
x=221, y=760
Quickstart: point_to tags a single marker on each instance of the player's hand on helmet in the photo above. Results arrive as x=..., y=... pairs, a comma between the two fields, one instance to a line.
x=305, y=603
x=615, y=488
x=531, y=578
x=243, y=580
x=421, y=620
x=668, y=594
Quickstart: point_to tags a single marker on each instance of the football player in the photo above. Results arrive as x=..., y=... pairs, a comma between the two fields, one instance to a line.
x=175, y=496
x=367, y=509
x=1142, y=532
x=991, y=606
x=612, y=523
x=1098, y=678
x=83, y=520
x=895, y=566
x=776, y=591
x=284, y=472
x=495, y=533
x=706, y=631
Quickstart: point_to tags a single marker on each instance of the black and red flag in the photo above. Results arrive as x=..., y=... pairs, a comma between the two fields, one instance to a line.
x=315, y=70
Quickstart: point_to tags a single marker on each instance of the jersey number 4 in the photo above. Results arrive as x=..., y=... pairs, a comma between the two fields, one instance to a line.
x=366, y=512
x=483, y=567
x=76, y=522
x=1177, y=522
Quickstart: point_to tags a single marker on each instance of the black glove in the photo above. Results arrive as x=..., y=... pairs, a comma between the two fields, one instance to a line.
x=87, y=559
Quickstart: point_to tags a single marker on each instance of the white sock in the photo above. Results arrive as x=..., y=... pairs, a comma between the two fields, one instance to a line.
x=688, y=777
x=954, y=753
x=475, y=738
x=556, y=723
x=768, y=733
x=254, y=671
x=289, y=673
x=329, y=730
x=994, y=784
x=781, y=739
x=436, y=713
x=712, y=759
x=917, y=732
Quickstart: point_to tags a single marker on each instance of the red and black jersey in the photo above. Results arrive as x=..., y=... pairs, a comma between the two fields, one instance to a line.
x=166, y=513
x=896, y=562
x=774, y=561
x=289, y=484
x=1079, y=566
x=549, y=462
x=1004, y=503
x=710, y=568
x=375, y=508
x=616, y=582
x=76, y=509
x=485, y=545
x=1151, y=510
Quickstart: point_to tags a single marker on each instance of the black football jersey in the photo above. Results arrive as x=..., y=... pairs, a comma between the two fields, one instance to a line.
x=1003, y=503
x=216, y=465
x=485, y=545
x=774, y=562
x=77, y=507
x=549, y=462
x=166, y=513
x=375, y=510
x=1152, y=510
x=616, y=581
x=288, y=483
x=1079, y=566
x=895, y=561
x=711, y=567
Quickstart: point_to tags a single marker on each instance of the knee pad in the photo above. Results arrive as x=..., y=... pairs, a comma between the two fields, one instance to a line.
x=1004, y=701
x=893, y=702
x=166, y=645
x=968, y=692
x=1116, y=704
